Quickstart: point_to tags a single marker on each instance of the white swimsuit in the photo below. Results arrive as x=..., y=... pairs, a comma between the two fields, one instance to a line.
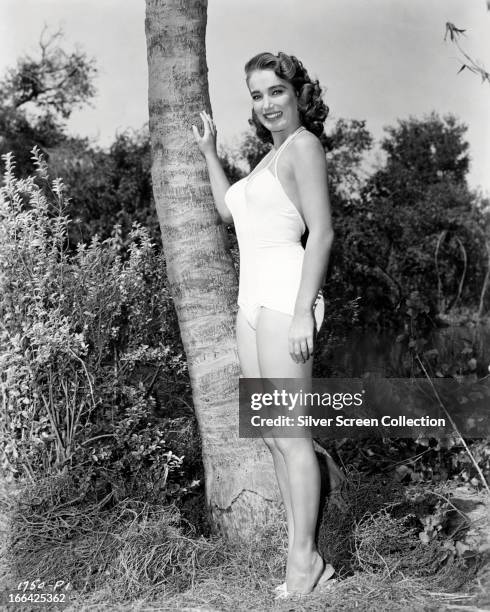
x=269, y=229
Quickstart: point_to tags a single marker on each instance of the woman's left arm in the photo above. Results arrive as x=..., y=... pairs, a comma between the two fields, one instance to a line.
x=310, y=173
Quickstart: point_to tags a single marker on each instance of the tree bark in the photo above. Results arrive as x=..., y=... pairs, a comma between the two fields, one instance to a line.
x=241, y=488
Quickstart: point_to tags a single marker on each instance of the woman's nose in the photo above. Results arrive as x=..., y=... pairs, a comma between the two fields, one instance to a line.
x=267, y=102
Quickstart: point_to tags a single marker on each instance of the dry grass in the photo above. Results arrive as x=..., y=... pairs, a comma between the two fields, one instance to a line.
x=133, y=556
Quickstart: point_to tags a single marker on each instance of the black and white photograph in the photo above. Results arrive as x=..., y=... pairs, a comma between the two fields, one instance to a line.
x=245, y=305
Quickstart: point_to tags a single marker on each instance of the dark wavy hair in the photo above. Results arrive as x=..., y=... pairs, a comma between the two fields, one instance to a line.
x=312, y=109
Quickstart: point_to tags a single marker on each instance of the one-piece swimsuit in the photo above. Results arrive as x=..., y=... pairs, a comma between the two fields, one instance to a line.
x=269, y=228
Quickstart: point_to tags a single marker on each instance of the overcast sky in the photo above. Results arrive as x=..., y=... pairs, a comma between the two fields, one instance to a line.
x=377, y=60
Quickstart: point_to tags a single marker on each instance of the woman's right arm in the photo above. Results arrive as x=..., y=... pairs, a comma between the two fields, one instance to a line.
x=217, y=176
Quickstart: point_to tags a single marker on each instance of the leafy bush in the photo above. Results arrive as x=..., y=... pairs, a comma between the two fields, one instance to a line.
x=107, y=187
x=77, y=330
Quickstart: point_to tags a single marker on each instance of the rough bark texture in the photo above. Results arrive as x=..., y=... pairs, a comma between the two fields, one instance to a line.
x=240, y=484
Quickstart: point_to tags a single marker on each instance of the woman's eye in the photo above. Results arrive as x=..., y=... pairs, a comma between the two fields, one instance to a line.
x=277, y=91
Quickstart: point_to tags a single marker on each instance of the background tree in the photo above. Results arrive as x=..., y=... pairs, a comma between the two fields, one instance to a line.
x=39, y=95
x=416, y=203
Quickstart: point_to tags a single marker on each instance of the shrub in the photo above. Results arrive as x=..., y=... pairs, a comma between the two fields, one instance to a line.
x=76, y=332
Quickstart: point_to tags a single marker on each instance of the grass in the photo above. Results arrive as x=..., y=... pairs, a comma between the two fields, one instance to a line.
x=134, y=556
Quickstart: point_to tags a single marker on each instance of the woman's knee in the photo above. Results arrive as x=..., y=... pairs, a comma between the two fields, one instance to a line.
x=271, y=444
x=294, y=447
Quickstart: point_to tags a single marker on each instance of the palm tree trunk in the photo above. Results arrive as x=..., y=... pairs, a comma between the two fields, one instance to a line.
x=241, y=489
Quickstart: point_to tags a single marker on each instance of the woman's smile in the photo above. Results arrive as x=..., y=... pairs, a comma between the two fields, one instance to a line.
x=272, y=116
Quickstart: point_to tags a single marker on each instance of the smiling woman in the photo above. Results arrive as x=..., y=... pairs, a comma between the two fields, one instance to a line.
x=281, y=307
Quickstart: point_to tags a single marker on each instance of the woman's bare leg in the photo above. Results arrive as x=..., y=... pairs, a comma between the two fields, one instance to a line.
x=247, y=354
x=304, y=563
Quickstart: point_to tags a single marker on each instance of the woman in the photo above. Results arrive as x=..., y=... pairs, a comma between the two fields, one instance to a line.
x=280, y=302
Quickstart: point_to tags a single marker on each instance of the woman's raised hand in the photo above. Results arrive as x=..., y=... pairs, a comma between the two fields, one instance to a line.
x=206, y=142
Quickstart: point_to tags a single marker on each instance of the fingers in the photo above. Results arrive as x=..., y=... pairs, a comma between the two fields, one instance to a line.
x=209, y=128
x=297, y=355
x=205, y=123
x=304, y=351
x=310, y=346
x=301, y=349
x=210, y=121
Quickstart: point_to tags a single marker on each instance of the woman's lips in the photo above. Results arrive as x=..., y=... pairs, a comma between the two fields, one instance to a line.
x=271, y=116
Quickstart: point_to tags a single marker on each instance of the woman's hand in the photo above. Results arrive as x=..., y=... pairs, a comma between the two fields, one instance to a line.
x=301, y=337
x=206, y=142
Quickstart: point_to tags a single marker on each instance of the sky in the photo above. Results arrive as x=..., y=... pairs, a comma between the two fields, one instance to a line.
x=377, y=60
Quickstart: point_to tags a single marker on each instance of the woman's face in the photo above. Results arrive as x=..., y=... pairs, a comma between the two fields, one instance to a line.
x=274, y=101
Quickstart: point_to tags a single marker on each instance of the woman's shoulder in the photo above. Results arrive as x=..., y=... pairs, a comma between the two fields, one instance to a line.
x=306, y=152
x=307, y=143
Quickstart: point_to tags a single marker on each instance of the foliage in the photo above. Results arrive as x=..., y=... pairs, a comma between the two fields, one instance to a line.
x=417, y=230
x=39, y=95
x=107, y=188
x=252, y=149
x=421, y=461
x=346, y=146
x=425, y=151
x=75, y=329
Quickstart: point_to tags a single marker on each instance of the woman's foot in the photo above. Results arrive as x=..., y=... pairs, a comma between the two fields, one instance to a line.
x=328, y=572
x=301, y=582
x=304, y=571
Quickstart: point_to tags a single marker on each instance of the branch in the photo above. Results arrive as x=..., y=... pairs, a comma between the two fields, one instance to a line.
x=487, y=278
x=45, y=45
x=393, y=283
x=454, y=34
x=440, y=305
x=463, y=275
